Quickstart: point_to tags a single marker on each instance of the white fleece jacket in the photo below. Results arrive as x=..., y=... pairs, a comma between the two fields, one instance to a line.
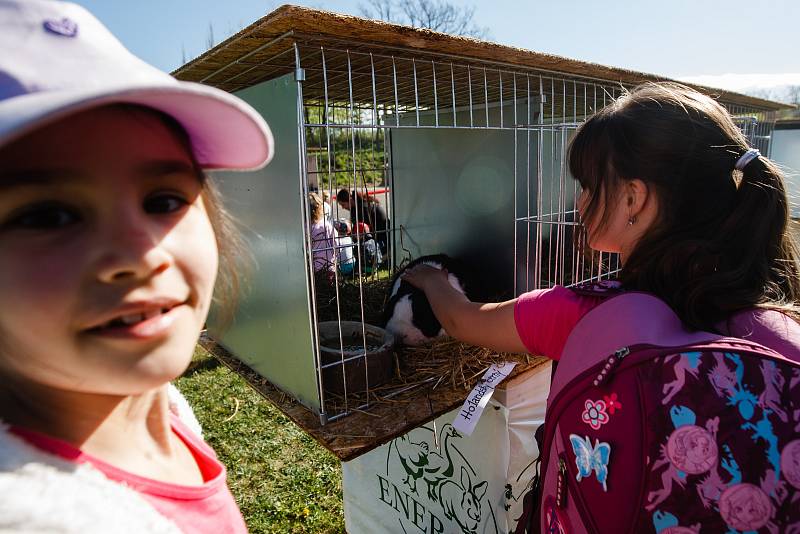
x=42, y=493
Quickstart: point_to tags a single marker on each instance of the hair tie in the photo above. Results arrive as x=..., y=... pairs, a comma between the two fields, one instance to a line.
x=747, y=157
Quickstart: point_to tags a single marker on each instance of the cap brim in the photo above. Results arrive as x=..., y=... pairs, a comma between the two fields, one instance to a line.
x=225, y=132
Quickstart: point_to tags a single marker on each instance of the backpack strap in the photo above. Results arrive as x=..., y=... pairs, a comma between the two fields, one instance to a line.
x=770, y=328
x=598, y=288
x=621, y=321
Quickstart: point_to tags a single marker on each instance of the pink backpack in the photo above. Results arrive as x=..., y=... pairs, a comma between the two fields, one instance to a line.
x=652, y=428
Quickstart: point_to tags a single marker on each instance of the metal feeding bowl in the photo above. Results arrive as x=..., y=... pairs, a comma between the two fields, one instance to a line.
x=345, y=361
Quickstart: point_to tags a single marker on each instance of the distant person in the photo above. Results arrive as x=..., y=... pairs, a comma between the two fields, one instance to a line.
x=367, y=209
x=323, y=235
x=368, y=252
x=344, y=246
x=111, y=236
x=326, y=205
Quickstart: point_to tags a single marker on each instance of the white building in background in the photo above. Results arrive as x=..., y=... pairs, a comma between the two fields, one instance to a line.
x=785, y=150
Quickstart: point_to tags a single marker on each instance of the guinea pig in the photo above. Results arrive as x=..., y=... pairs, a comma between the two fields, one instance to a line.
x=408, y=314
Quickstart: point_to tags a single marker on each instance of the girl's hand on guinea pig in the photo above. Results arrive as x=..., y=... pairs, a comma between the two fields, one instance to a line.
x=424, y=276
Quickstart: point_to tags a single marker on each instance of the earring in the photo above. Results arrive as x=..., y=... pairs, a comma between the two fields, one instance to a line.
x=631, y=221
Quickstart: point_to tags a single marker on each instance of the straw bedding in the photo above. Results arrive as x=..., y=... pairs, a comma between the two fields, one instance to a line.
x=445, y=362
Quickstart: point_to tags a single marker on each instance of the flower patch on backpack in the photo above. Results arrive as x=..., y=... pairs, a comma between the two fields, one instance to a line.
x=594, y=413
x=612, y=403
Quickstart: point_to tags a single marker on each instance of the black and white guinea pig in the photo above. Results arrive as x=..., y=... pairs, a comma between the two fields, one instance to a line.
x=408, y=314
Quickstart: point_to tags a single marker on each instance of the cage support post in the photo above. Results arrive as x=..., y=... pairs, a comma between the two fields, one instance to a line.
x=300, y=77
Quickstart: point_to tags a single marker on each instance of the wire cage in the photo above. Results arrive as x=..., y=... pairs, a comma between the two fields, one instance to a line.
x=466, y=156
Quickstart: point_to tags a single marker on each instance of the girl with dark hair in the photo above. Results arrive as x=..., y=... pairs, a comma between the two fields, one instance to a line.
x=715, y=239
x=699, y=219
x=367, y=209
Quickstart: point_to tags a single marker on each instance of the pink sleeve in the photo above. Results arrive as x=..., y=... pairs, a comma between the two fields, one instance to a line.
x=545, y=318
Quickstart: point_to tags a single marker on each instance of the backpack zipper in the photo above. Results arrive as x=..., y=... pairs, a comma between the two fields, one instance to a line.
x=561, y=486
x=611, y=363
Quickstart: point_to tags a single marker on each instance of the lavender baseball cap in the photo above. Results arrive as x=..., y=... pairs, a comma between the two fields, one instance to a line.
x=57, y=59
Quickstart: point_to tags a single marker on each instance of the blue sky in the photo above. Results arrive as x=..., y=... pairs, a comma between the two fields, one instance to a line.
x=683, y=39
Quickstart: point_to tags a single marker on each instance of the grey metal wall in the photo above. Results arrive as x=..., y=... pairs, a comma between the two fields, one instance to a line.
x=454, y=194
x=272, y=331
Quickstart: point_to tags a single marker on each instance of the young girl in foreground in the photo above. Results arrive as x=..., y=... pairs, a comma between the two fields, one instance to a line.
x=699, y=220
x=110, y=241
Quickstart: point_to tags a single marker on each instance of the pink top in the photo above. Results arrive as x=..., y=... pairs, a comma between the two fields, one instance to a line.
x=206, y=508
x=545, y=318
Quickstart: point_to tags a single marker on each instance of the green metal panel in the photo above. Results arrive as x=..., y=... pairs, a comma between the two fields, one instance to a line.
x=272, y=330
x=454, y=194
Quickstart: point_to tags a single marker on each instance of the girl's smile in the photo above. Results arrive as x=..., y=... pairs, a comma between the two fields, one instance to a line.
x=144, y=320
x=107, y=255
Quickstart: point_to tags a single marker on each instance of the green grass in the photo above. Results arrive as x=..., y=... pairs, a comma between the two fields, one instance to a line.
x=281, y=478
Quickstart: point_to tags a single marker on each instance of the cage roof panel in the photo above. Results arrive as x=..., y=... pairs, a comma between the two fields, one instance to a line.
x=369, y=61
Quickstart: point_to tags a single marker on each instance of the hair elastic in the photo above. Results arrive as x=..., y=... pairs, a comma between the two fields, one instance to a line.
x=747, y=157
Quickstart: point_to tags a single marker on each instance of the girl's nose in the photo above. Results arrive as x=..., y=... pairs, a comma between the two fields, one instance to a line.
x=132, y=254
x=128, y=267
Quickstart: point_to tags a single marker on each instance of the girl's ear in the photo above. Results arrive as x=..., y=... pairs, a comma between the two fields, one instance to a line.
x=637, y=195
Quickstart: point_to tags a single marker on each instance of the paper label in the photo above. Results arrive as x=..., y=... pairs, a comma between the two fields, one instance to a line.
x=479, y=397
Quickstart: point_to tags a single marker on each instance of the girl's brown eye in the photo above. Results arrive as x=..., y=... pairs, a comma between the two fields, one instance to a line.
x=164, y=203
x=44, y=217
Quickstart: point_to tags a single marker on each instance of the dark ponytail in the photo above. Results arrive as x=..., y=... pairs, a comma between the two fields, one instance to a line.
x=760, y=221
x=721, y=241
